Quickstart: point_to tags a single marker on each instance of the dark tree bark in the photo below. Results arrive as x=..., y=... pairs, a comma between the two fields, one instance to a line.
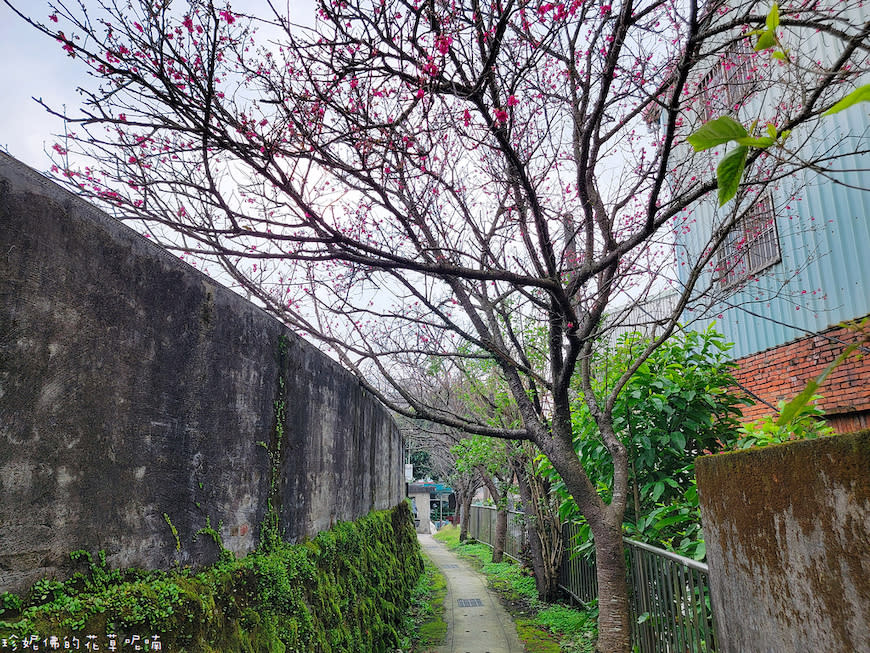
x=544, y=530
x=465, y=516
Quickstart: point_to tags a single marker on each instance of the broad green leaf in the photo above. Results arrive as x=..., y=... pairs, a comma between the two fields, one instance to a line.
x=861, y=94
x=771, y=130
x=772, y=21
x=729, y=172
x=658, y=490
x=782, y=55
x=761, y=142
x=718, y=131
x=669, y=521
x=793, y=407
x=765, y=41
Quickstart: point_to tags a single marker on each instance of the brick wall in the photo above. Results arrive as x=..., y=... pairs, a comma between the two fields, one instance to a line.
x=783, y=372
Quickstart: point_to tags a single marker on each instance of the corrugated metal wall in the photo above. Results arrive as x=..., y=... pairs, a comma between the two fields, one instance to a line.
x=824, y=231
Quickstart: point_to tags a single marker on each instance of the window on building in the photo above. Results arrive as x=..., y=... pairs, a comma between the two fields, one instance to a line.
x=727, y=85
x=752, y=245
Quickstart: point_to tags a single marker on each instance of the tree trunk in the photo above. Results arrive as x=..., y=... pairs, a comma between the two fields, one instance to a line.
x=498, y=540
x=605, y=521
x=459, y=493
x=465, y=516
x=500, y=534
x=614, y=634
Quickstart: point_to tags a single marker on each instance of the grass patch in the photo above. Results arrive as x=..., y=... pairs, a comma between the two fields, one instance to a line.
x=577, y=629
x=425, y=626
x=543, y=628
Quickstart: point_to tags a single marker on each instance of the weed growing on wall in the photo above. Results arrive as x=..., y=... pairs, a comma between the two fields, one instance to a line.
x=347, y=589
x=270, y=529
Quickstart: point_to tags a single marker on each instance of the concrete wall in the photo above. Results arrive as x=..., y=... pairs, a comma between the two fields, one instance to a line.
x=788, y=545
x=135, y=392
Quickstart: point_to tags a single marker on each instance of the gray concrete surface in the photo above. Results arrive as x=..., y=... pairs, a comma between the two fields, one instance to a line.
x=484, y=628
x=788, y=545
x=139, y=399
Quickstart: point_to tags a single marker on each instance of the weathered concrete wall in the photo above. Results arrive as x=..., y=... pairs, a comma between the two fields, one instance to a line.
x=132, y=387
x=788, y=544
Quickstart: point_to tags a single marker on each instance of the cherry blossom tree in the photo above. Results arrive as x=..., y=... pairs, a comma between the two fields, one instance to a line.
x=421, y=183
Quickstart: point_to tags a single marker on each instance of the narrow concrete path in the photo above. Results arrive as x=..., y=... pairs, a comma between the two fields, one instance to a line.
x=476, y=621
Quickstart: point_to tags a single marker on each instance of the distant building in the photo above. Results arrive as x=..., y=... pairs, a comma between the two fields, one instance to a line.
x=431, y=502
x=420, y=496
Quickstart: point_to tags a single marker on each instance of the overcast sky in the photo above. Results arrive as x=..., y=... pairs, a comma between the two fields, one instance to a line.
x=32, y=65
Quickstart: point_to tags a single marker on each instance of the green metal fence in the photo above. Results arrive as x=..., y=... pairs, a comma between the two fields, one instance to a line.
x=670, y=594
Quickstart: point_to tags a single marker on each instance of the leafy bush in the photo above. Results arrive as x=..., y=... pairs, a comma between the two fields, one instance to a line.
x=807, y=422
x=675, y=407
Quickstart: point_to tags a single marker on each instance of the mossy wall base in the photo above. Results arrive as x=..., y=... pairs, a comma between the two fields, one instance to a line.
x=347, y=590
x=788, y=544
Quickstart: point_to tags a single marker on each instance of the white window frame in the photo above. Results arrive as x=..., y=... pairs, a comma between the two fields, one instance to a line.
x=728, y=83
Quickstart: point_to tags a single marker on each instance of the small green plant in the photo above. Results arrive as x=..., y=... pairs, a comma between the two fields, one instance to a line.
x=804, y=424
x=45, y=590
x=9, y=603
x=225, y=554
x=174, y=531
x=99, y=575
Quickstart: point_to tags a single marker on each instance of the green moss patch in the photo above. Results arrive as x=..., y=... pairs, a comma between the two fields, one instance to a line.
x=348, y=589
x=425, y=625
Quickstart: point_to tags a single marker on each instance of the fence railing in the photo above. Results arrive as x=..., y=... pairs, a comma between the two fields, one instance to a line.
x=670, y=595
x=577, y=573
x=481, y=527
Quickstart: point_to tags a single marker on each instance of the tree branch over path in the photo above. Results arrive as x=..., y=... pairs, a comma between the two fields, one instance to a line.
x=421, y=187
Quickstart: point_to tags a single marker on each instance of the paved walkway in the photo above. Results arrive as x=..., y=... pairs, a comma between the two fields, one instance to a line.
x=476, y=621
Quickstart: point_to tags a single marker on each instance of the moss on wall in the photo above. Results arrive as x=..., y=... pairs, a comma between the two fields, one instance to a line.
x=788, y=542
x=345, y=590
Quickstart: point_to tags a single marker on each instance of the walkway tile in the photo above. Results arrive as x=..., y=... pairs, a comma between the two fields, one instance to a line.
x=476, y=621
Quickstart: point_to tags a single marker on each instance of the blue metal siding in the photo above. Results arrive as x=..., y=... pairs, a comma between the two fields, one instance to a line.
x=824, y=275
